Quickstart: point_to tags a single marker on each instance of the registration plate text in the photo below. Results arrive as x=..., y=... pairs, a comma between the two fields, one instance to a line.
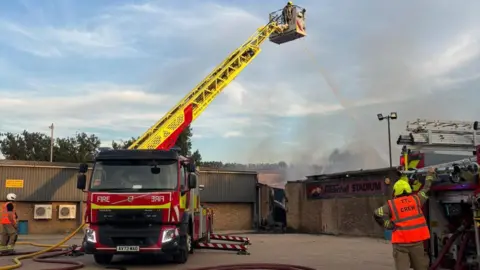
x=128, y=248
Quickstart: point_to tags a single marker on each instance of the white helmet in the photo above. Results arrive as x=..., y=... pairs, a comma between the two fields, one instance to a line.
x=11, y=197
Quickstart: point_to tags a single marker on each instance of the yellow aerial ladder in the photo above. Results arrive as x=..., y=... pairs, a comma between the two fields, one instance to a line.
x=283, y=26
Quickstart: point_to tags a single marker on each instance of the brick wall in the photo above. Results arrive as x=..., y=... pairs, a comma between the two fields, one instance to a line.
x=228, y=216
x=346, y=216
x=231, y=216
x=264, y=201
x=295, y=195
x=25, y=212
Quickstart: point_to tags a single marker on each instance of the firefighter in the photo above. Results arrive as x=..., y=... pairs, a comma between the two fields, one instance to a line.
x=9, y=223
x=287, y=13
x=403, y=215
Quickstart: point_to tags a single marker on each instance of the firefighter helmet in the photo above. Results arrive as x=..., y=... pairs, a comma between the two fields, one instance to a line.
x=11, y=197
x=401, y=187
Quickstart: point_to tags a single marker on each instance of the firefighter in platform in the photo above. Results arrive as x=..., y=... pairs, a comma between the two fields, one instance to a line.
x=403, y=215
x=9, y=223
x=287, y=13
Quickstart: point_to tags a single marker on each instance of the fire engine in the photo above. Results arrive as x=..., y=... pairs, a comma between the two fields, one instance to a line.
x=146, y=199
x=452, y=211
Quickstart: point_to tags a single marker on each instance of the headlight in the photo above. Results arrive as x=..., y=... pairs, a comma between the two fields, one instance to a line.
x=90, y=236
x=169, y=234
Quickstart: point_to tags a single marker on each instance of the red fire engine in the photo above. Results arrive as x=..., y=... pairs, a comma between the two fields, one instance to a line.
x=146, y=199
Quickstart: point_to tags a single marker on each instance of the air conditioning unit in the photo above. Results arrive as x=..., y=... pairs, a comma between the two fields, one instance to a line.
x=67, y=211
x=42, y=211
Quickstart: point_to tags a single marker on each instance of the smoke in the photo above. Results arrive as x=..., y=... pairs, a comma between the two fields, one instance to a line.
x=398, y=65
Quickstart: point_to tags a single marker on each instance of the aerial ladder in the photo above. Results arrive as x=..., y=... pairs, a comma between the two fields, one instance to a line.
x=164, y=134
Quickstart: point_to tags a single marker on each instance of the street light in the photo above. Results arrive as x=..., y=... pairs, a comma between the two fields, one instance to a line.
x=392, y=116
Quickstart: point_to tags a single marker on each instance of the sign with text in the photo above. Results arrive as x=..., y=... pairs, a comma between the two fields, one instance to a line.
x=320, y=190
x=14, y=183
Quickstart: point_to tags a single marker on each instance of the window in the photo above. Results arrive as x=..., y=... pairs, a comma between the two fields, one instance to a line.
x=134, y=175
x=183, y=176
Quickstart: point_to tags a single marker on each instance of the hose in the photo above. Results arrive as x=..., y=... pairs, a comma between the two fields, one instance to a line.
x=50, y=248
x=444, y=251
x=45, y=258
x=256, y=266
x=461, y=251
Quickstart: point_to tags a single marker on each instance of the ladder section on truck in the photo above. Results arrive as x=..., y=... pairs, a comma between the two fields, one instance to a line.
x=164, y=133
x=438, y=135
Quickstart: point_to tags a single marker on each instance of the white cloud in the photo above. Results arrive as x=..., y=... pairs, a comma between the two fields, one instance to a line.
x=233, y=134
x=371, y=66
x=460, y=51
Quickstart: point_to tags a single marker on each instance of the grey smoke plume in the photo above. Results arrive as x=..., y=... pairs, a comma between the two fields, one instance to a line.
x=395, y=55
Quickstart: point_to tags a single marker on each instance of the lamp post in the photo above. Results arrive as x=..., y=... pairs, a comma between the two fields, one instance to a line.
x=392, y=116
x=51, y=127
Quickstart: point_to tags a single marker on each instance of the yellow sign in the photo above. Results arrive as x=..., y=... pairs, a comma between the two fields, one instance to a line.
x=14, y=183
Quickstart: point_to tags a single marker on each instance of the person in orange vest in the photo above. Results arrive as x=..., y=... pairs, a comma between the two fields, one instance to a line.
x=9, y=223
x=403, y=215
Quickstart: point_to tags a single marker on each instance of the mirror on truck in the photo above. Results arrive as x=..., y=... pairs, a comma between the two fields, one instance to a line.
x=191, y=167
x=192, y=181
x=81, y=181
x=83, y=168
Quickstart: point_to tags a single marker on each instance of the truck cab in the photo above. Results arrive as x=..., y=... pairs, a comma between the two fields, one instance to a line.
x=141, y=202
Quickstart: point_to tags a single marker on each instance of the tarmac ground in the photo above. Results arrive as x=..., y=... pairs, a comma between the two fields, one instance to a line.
x=316, y=251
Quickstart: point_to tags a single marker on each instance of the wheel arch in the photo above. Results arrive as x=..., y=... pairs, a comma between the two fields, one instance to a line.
x=186, y=224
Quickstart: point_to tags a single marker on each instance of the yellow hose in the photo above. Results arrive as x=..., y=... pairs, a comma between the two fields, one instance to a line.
x=17, y=260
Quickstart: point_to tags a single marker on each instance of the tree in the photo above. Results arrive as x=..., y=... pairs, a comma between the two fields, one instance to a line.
x=197, y=157
x=123, y=144
x=25, y=146
x=80, y=148
x=184, y=141
x=35, y=146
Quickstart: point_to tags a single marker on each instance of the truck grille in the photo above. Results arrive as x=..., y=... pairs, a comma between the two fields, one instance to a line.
x=143, y=236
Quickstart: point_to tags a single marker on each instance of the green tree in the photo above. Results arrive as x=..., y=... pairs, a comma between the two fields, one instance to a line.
x=25, y=146
x=80, y=148
x=123, y=144
x=184, y=141
x=197, y=157
x=35, y=146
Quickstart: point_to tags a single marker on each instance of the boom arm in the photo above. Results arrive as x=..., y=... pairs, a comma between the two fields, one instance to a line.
x=163, y=134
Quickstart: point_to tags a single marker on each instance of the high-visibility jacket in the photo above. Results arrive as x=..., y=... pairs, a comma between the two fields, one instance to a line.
x=410, y=223
x=5, y=219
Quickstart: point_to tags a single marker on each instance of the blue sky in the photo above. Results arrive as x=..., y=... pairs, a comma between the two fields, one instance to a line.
x=114, y=67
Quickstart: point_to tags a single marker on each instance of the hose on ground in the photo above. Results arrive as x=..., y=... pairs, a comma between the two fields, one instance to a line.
x=255, y=266
x=17, y=259
x=38, y=244
x=45, y=258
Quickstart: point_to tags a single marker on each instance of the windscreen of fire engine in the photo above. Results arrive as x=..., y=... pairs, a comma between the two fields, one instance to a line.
x=134, y=175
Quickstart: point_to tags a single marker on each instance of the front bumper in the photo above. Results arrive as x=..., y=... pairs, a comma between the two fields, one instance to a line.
x=171, y=247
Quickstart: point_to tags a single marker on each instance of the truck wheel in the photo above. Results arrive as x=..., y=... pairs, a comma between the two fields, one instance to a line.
x=103, y=258
x=186, y=247
x=190, y=243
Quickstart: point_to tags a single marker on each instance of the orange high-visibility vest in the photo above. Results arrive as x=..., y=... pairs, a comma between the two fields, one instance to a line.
x=5, y=219
x=410, y=223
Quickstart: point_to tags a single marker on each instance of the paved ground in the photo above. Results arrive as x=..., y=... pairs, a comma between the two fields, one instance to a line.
x=319, y=252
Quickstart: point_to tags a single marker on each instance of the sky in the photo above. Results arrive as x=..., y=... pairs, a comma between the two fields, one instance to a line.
x=113, y=68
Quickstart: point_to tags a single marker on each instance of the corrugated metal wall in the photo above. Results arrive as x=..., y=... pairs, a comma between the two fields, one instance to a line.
x=45, y=182
x=228, y=186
